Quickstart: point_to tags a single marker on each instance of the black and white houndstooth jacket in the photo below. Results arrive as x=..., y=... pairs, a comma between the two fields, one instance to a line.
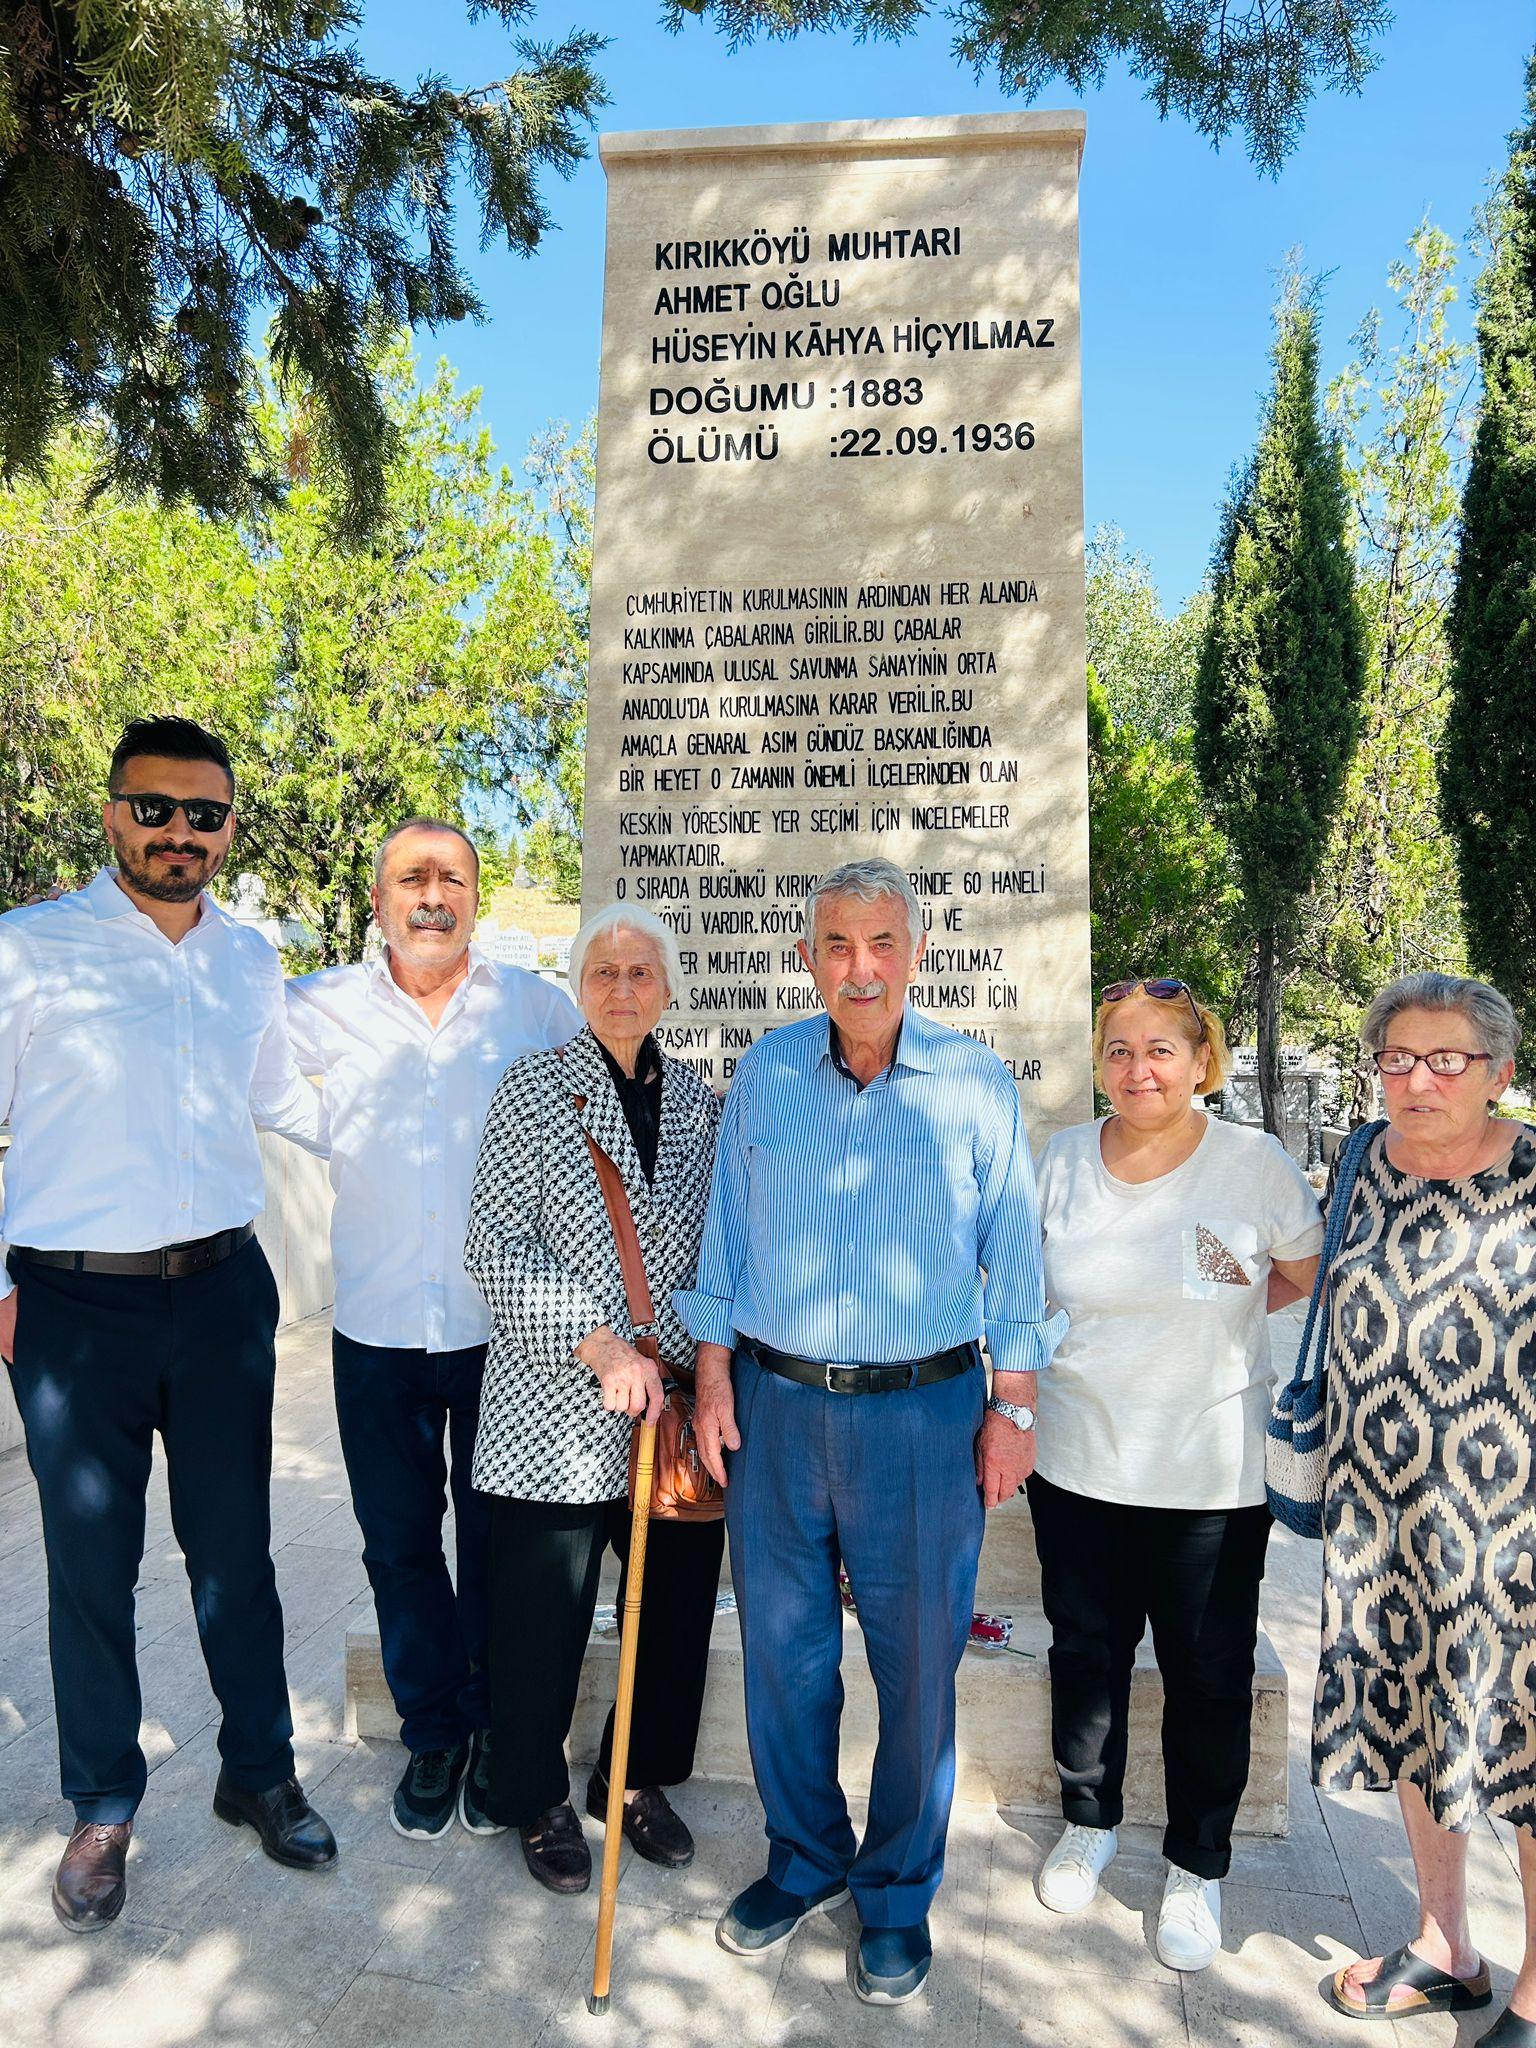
x=541, y=1249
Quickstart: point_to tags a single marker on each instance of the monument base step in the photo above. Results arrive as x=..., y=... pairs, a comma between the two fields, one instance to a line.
x=1004, y=1749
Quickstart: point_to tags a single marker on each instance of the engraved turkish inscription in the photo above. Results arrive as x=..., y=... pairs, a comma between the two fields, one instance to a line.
x=837, y=596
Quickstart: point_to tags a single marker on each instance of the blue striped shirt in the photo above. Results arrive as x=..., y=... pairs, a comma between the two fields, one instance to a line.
x=868, y=1226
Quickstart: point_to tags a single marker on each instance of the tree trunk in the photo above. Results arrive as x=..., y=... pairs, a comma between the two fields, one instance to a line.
x=1267, y=1005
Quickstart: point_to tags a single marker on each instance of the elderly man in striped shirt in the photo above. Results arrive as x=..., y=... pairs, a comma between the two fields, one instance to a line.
x=873, y=1211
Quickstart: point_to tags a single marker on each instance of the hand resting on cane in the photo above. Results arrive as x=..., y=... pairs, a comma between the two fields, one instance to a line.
x=631, y=1382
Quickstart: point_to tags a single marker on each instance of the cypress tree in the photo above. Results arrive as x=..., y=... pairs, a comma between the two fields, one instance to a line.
x=1282, y=668
x=1488, y=775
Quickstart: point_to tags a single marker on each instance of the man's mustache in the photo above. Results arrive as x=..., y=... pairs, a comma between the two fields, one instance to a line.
x=853, y=988
x=166, y=846
x=425, y=919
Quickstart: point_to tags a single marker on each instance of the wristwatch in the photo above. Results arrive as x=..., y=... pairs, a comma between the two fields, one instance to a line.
x=1013, y=1411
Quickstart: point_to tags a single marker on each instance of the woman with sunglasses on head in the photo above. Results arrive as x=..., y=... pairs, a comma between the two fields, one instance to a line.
x=1429, y=1528
x=1166, y=1232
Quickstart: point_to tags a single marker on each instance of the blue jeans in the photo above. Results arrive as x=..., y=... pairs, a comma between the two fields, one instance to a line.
x=886, y=1483
x=103, y=1361
x=395, y=1407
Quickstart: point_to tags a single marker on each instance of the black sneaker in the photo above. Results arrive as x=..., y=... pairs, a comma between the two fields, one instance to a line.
x=422, y=1809
x=475, y=1788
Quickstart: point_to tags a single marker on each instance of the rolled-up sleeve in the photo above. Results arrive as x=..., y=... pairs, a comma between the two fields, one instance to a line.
x=545, y=1308
x=1021, y=1334
x=708, y=1308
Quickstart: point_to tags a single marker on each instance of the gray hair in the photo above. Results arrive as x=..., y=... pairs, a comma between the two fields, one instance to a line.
x=421, y=825
x=623, y=917
x=1489, y=1013
x=871, y=881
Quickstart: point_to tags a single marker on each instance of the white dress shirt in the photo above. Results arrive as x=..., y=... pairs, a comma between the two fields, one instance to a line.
x=405, y=1104
x=136, y=1071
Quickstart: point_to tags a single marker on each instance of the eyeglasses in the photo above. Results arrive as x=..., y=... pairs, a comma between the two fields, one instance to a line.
x=1164, y=990
x=202, y=813
x=1449, y=1060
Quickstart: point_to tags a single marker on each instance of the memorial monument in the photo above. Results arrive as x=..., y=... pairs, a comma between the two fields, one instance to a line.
x=837, y=596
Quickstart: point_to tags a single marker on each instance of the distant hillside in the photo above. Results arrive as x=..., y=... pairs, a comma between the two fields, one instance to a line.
x=530, y=910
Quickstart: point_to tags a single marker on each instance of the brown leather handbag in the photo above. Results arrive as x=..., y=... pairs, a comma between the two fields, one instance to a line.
x=682, y=1490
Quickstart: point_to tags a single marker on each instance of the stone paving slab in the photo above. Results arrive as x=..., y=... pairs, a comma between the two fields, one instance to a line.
x=451, y=1945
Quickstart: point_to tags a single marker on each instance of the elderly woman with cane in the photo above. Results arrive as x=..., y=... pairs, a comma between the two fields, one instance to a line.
x=566, y=1377
x=1429, y=1604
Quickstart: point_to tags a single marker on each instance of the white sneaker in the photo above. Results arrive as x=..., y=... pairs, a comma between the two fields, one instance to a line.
x=1189, y=1925
x=1069, y=1876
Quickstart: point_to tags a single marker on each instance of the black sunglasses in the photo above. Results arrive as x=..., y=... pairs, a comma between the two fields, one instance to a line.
x=1163, y=990
x=202, y=813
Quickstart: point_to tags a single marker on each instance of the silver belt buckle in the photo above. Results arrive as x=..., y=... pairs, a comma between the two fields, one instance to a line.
x=826, y=1374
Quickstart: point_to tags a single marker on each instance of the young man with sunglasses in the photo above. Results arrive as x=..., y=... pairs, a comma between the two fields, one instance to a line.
x=142, y=1044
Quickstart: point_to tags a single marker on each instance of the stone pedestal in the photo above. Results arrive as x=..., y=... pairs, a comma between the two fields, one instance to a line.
x=1004, y=1703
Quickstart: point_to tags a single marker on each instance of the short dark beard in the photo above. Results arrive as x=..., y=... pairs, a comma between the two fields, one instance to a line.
x=167, y=888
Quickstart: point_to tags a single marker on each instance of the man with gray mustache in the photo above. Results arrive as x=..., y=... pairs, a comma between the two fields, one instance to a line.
x=408, y=1050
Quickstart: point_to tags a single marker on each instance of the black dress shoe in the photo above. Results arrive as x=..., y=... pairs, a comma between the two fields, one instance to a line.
x=555, y=1850
x=92, y=1880
x=1509, y=2031
x=657, y=1830
x=290, y=1829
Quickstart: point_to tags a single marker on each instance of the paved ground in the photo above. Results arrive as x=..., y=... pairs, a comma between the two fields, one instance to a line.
x=425, y=1945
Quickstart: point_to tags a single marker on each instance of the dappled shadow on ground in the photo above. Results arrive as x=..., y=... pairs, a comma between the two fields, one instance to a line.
x=451, y=1944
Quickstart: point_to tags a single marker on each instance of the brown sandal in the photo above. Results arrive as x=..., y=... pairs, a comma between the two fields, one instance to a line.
x=1434, y=1990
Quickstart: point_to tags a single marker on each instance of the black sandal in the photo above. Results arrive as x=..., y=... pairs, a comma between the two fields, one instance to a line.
x=1509, y=2031
x=1434, y=1991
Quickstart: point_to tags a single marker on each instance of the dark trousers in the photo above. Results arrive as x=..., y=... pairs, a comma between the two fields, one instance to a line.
x=1105, y=1571
x=545, y=1560
x=102, y=1362
x=396, y=1408
x=887, y=1484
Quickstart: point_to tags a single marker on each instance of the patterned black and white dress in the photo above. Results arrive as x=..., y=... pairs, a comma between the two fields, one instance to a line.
x=1428, y=1667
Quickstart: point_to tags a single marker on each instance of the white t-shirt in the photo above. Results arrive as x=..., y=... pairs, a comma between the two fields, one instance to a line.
x=1159, y=1393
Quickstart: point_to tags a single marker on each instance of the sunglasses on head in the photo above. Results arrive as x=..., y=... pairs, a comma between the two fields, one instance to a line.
x=202, y=813
x=1163, y=989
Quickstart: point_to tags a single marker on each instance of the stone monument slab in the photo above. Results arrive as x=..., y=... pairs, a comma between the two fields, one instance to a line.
x=838, y=582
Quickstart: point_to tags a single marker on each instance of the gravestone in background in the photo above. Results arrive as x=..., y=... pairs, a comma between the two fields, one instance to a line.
x=838, y=586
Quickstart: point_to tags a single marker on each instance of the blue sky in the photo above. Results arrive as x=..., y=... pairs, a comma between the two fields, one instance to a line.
x=1180, y=244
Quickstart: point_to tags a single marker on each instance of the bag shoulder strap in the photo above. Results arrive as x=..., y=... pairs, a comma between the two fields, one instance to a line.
x=1310, y=1358
x=626, y=1240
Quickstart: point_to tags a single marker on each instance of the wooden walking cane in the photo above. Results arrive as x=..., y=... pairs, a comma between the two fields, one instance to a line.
x=618, y=1763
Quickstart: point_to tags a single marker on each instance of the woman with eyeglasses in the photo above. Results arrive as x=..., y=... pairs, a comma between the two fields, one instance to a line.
x=1166, y=1232
x=1429, y=1517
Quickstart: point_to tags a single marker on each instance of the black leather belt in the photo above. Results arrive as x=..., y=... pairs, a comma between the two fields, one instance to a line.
x=171, y=1262
x=865, y=1379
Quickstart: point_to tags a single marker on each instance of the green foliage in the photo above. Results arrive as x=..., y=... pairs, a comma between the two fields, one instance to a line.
x=1385, y=900
x=1250, y=65
x=170, y=168
x=1145, y=662
x=107, y=606
x=354, y=686
x=1490, y=751
x=1161, y=893
x=1277, y=700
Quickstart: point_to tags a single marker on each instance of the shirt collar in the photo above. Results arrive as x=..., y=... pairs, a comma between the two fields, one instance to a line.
x=481, y=968
x=914, y=1044
x=107, y=900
